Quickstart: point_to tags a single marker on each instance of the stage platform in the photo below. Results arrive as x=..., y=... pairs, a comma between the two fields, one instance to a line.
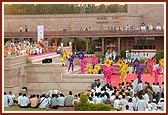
x=39, y=57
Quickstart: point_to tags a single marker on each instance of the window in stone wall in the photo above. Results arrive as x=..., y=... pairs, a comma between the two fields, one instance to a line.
x=115, y=17
x=144, y=43
x=102, y=18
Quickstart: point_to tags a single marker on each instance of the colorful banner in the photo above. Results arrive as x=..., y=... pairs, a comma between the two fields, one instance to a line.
x=40, y=34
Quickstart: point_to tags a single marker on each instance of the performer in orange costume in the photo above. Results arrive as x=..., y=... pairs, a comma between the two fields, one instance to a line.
x=53, y=47
x=6, y=49
x=43, y=45
x=12, y=49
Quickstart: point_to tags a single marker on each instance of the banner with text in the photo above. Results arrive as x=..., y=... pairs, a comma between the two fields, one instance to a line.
x=40, y=35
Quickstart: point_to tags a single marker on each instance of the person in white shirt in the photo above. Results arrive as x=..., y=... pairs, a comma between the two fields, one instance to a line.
x=158, y=27
x=162, y=104
x=143, y=27
x=162, y=90
x=98, y=99
x=116, y=103
x=114, y=55
x=127, y=108
x=159, y=108
x=6, y=100
x=130, y=104
x=153, y=86
x=149, y=107
x=140, y=105
x=134, y=101
x=20, y=28
x=140, y=89
x=127, y=27
x=145, y=85
x=19, y=98
x=24, y=101
x=153, y=103
x=61, y=100
x=150, y=27
x=146, y=97
x=43, y=101
x=157, y=92
x=11, y=98
x=124, y=102
x=112, y=98
x=98, y=88
x=90, y=100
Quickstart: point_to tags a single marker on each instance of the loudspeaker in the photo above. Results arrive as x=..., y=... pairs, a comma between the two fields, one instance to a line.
x=48, y=60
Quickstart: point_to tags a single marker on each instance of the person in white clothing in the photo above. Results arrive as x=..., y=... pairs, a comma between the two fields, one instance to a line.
x=162, y=104
x=124, y=102
x=11, y=98
x=43, y=101
x=140, y=105
x=90, y=100
x=112, y=98
x=127, y=108
x=24, y=101
x=134, y=101
x=19, y=98
x=159, y=108
x=61, y=100
x=98, y=88
x=158, y=27
x=130, y=104
x=114, y=55
x=149, y=107
x=98, y=99
x=153, y=103
x=140, y=89
x=6, y=100
x=116, y=103
x=157, y=93
x=146, y=97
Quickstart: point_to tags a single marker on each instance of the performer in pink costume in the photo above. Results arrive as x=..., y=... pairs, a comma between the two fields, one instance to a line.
x=156, y=73
x=150, y=64
x=108, y=71
x=83, y=65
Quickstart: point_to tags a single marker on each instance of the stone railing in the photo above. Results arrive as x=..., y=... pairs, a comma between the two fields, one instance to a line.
x=14, y=60
x=103, y=33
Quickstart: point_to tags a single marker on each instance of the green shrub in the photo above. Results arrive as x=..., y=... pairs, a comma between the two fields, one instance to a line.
x=101, y=107
x=142, y=61
x=83, y=105
x=123, y=53
x=90, y=51
x=83, y=98
x=159, y=55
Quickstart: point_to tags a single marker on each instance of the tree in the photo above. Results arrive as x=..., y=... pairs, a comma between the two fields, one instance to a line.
x=32, y=9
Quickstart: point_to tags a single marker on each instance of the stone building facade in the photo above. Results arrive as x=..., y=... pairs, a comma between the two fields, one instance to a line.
x=97, y=23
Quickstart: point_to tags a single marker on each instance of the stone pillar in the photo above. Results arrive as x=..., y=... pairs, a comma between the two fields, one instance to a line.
x=90, y=43
x=75, y=44
x=87, y=47
x=119, y=45
x=102, y=45
x=105, y=43
x=55, y=40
